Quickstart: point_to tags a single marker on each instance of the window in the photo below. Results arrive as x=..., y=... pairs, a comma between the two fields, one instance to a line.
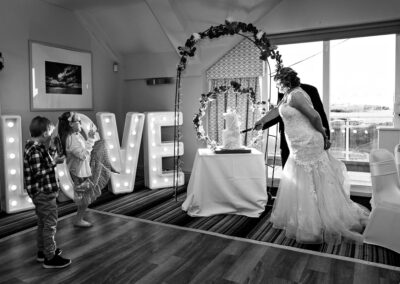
x=306, y=59
x=362, y=88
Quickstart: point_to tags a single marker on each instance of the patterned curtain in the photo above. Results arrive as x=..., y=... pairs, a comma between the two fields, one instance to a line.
x=239, y=102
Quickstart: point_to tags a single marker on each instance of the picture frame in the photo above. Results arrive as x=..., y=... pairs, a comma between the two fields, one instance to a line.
x=60, y=78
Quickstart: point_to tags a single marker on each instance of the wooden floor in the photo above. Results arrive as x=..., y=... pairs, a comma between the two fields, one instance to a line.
x=120, y=249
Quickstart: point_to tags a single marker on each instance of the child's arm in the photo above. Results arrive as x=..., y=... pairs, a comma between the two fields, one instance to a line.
x=75, y=148
x=52, y=150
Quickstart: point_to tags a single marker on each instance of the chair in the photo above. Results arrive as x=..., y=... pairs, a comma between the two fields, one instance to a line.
x=383, y=228
x=397, y=156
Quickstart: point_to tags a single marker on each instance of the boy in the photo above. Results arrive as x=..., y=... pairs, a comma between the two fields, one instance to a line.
x=41, y=184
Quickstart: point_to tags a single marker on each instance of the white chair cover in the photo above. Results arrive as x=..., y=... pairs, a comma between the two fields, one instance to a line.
x=383, y=228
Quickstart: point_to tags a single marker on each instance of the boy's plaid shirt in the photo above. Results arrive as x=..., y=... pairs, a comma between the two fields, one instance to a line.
x=39, y=169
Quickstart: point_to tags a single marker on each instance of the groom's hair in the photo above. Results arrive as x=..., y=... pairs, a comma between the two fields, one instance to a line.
x=288, y=77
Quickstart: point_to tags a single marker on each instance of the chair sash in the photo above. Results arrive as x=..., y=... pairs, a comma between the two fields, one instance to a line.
x=383, y=168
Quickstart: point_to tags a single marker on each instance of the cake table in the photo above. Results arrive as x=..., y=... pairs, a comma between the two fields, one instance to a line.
x=227, y=184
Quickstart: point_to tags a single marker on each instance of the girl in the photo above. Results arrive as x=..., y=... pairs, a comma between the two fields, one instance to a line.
x=78, y=147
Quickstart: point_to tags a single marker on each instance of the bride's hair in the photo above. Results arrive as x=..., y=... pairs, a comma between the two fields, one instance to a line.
x=288, y=77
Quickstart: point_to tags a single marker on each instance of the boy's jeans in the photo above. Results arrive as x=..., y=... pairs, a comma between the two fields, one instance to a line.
x=46, y=211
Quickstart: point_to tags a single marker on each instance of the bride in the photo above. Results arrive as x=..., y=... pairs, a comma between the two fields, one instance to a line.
x=313, y=203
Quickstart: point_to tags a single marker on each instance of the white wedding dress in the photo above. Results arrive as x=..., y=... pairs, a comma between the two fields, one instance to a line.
x=313, y=203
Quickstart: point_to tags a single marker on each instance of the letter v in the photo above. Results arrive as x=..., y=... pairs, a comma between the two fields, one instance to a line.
x=123, y=159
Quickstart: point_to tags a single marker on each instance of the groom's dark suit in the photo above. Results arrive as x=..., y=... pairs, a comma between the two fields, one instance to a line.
x=317, y=103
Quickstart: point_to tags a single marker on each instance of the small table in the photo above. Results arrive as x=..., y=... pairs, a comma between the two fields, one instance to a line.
x=227, y=184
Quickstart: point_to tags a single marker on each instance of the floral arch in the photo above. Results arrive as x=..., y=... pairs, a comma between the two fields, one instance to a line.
x=258, y=37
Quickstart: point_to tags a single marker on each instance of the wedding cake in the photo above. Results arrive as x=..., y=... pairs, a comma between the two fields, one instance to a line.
x=231, y=134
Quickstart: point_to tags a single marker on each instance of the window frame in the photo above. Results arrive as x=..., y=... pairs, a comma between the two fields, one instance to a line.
x=349, y=31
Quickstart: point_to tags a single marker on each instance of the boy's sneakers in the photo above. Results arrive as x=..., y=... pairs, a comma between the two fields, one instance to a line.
x=40, y=255
x=56, y=262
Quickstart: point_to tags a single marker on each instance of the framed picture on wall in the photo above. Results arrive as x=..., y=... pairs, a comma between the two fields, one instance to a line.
x=60, y=78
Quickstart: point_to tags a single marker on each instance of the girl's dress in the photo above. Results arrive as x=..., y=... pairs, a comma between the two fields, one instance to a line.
x=313, y=203
x=89, y=167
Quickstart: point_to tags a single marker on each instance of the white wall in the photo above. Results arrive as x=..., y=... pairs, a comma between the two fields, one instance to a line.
x=23, y=20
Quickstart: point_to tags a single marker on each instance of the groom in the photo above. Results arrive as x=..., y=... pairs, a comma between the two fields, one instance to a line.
x=266, y=122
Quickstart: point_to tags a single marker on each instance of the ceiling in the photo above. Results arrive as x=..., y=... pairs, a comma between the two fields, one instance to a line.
x=155, y=26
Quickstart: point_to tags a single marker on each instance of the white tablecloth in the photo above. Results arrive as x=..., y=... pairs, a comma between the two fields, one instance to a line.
x=227, y=184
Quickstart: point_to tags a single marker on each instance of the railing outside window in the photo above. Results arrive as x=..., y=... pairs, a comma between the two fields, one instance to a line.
x=353, y=135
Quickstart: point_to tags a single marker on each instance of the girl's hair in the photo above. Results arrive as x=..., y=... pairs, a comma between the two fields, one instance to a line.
x=288, y=77
x=64, y=129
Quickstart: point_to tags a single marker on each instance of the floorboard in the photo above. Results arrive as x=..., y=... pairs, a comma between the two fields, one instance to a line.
x=121, y=249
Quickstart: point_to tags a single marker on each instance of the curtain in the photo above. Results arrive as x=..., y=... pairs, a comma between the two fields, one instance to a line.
x=216, y=108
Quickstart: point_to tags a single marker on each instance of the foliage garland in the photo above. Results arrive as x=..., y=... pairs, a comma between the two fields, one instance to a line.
x=258, y=37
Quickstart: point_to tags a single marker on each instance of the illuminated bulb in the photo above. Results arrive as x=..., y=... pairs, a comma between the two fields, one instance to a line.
x=131, y=145
x=165, y=149
x=128, y=171
x=153, y=144
x=343, y=131
x=136, y=119
x=118, y=184
x=107, y=120
x=354, y=131
x=13, y=187
x=109, y=133
x=154, y=181
x=111, y=146
x=166, y=180
x=66, y=186
x=154, y=156
x=61, y=173
x=164, y=118
x=12, y=156
x=154, y=169
x=332, y=130
x=13, y=203
x=11, y=140
x=113, y=159
x=133, y=132
x=10, y=124
x=129, y=158
x=366, y=131
x=13, y=171
x=126, y=183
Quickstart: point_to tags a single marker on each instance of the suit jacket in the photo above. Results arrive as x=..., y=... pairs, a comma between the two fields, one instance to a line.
x=318, y=106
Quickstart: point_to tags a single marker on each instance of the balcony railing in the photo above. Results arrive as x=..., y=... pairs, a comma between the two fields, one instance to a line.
x=353, y=135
